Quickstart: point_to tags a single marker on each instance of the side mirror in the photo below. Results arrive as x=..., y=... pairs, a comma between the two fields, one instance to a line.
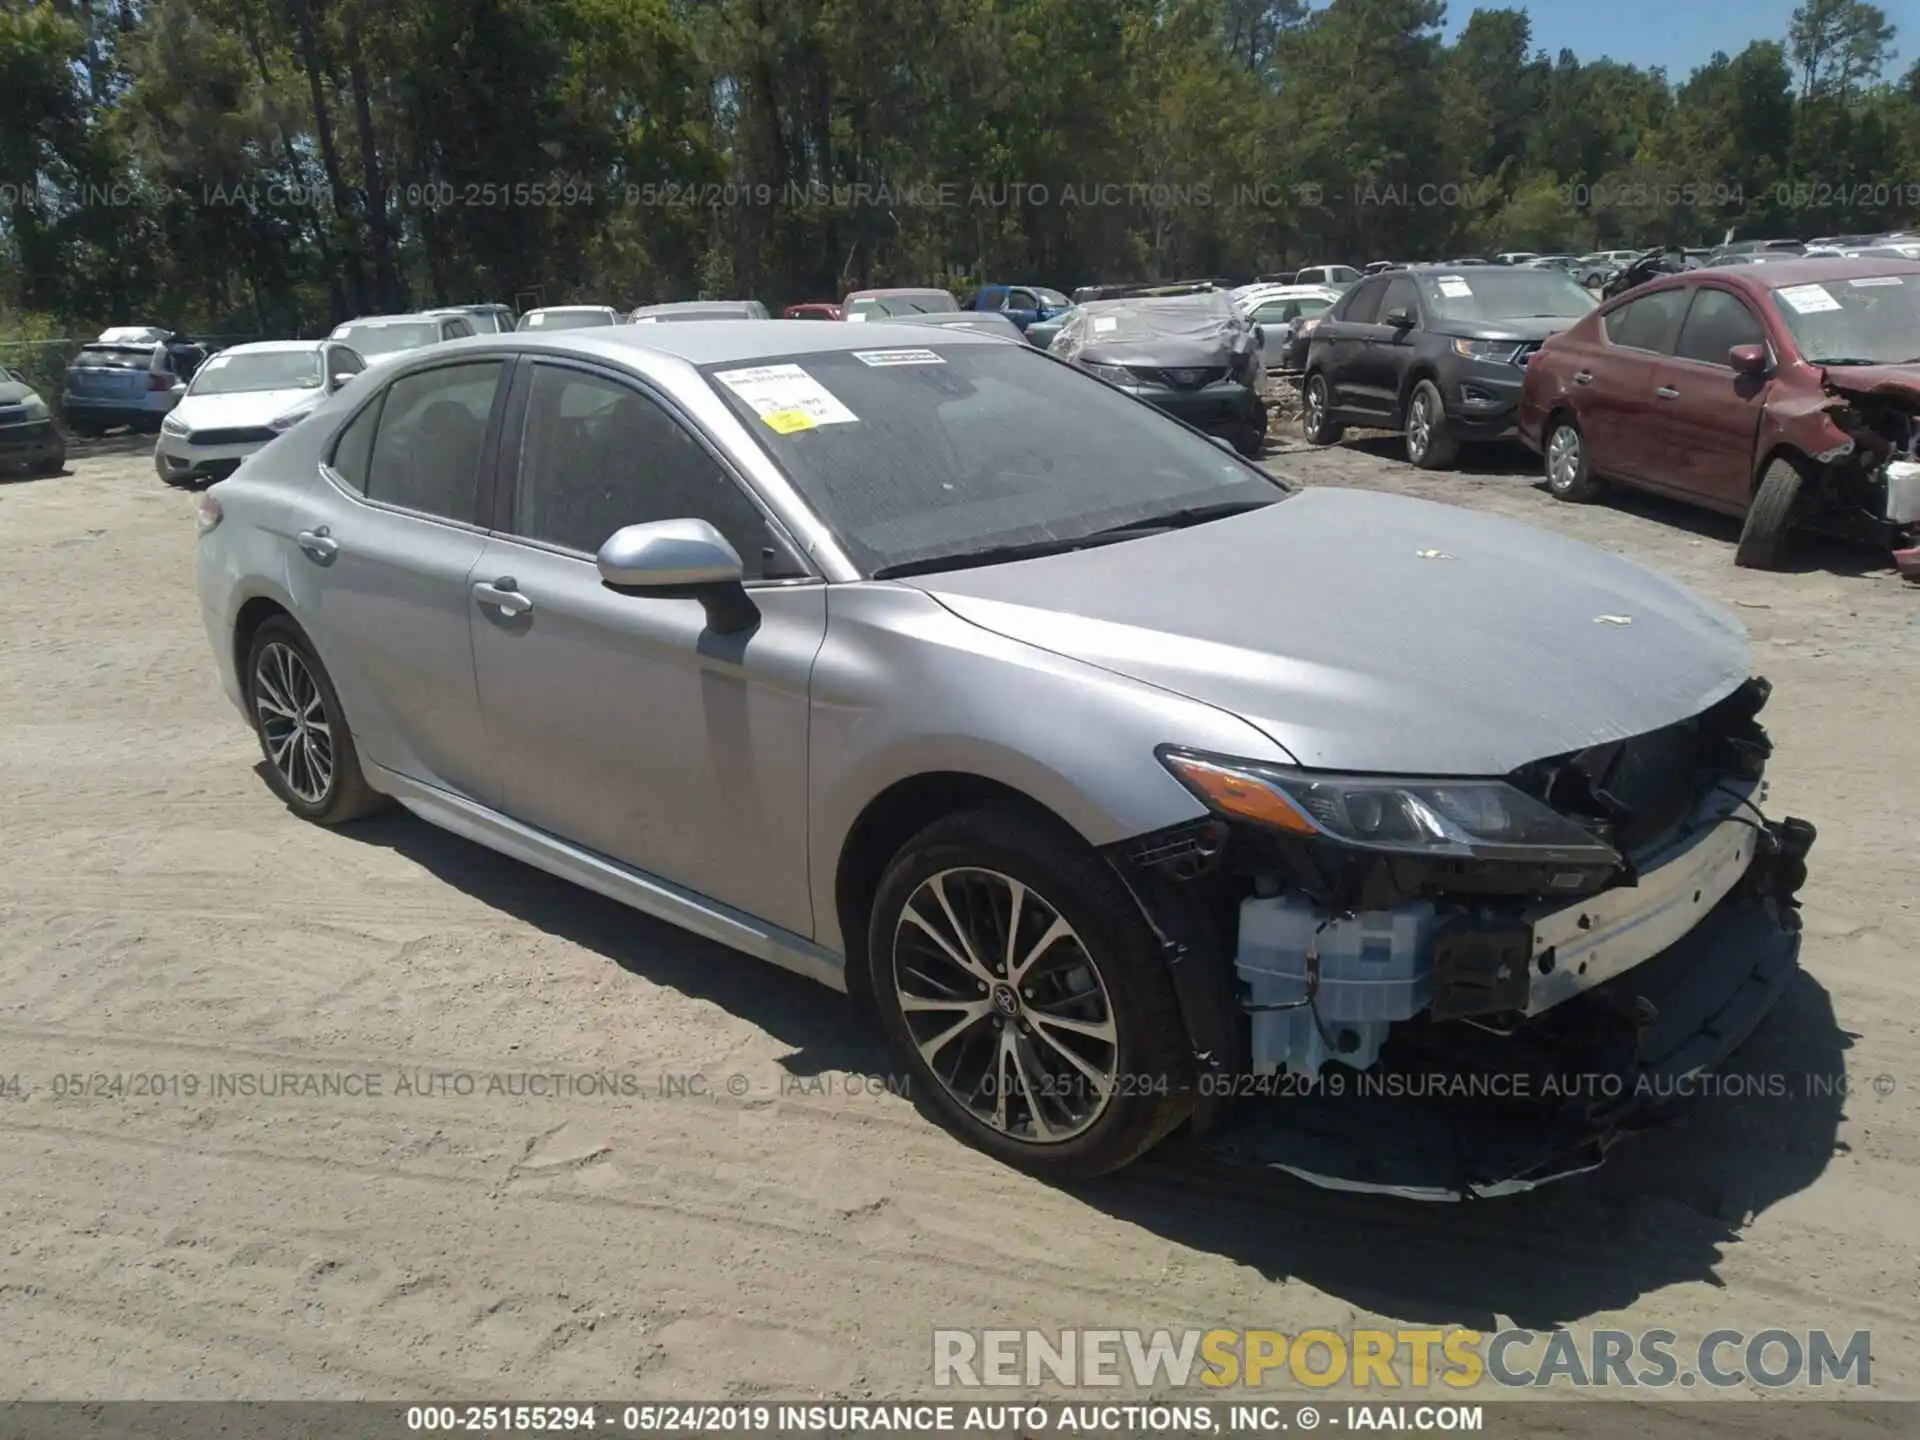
x=338, y=380
x=1400, y=318
x=1748, y=359
x=681, y=559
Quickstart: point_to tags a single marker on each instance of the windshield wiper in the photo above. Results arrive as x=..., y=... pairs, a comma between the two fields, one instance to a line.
x=1846, y=360
x=1034, y=549
x=993, y=555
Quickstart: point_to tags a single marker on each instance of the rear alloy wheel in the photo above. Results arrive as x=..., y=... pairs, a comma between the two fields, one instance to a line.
x=1763, y=538
x=1024, y=991
x=311, y=760
x=1316, y=408
x=1569, y=477
x=1429, y=446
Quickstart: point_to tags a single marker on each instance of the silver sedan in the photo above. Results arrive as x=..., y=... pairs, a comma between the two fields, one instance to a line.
x=1121, y=777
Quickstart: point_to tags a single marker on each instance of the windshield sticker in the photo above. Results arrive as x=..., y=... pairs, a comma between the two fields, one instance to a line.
x=857, y=318
x=1454, y=288
x=646, y=319
x=1103, y=323
x=897, y=357
x=535, y=320
x=1877, y=280
x=786, y=397
x=1808, y=299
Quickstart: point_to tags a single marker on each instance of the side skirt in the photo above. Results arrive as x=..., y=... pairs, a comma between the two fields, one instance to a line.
x=649, y=894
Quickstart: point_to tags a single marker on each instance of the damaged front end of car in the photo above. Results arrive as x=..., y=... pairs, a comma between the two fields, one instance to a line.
x=1864, y=437
x=1447, y=988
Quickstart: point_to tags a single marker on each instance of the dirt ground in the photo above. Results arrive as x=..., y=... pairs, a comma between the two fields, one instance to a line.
x=770, y=1227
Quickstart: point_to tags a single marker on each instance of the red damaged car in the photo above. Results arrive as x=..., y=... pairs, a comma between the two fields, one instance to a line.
x=1788, y=394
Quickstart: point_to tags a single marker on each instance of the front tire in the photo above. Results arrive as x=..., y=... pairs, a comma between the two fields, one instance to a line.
x=1763, y=537
x=1316, y=409
x=1429, y=445
x=1570, y=474
x=312, y=763
x=1027, y=996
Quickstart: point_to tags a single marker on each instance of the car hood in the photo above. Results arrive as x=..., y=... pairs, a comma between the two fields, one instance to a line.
x=249, y=408
x=1539, y=327
x=1373, y=632
x=1894, y=382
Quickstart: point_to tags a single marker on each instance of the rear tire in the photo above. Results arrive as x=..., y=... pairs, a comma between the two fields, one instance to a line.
x=312, y=763
x=1086, y=1032
x=1429, y=445
x=1570, y=475
x=1763, y=538
x=1316, y=406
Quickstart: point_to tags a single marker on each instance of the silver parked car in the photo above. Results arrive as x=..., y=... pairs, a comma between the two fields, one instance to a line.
x=378, y=339
x=1121, y=777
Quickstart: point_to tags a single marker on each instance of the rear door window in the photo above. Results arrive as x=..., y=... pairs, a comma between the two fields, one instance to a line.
x=430, y=440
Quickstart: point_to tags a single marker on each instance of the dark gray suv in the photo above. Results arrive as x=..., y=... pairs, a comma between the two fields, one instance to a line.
x=1436, y=352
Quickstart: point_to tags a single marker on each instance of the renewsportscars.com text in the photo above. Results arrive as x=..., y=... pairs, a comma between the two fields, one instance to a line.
x=1376, y=1360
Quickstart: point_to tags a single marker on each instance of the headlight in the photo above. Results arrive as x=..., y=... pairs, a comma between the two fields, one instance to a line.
x=174, y=425
x=1113, y=374
x=36, y=408
x=281, y=423
x=1487, y=349
x=1465, y=819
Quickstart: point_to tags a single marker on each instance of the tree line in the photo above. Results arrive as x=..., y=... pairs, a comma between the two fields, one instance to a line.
x=271, y=166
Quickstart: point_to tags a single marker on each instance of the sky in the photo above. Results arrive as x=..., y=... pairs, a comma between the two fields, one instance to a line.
x=1678, y=34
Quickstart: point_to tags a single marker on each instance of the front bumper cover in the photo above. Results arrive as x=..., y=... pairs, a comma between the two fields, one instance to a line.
x=1438, y=1126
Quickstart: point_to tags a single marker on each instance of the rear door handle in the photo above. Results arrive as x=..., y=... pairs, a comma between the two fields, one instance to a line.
x=318, y=545
x=1667, y=392
x=503, y=595
x=1583, y=377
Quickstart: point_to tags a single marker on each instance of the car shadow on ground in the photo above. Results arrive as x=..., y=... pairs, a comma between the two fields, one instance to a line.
x=115, y=442
x=1661, y=1211
x=824, y=1030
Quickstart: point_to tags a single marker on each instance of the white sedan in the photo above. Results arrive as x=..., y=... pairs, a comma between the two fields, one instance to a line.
x=242, y=398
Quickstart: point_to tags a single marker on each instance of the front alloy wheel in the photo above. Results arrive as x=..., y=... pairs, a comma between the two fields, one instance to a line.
x=1005, y=1005
x=1027, y=995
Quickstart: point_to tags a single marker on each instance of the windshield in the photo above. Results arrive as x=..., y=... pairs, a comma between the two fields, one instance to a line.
x=485, y=321
x=918, y=453
x=566, y=319
x=1050, y=298
x=921, y=302
x=1506, y=294
x=269, y=370
x=1866, y=319
x=389, y=339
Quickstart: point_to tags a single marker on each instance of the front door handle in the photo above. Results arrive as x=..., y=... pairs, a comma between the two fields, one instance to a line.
x=503, y=595
x=318, y=545
x=1583, y=377
x=1667, y=392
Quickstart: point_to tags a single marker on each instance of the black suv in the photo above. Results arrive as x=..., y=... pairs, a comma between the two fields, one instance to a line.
x=1437, y=352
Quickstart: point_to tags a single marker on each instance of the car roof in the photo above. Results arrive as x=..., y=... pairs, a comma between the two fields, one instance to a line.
x=273, y=347
x=573, y=309
x=717, y=342
x=412, y=317
x=898, y=290
x=1812, y=271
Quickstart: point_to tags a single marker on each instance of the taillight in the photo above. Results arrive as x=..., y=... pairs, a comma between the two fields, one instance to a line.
x=209, y=514
x=159, y=382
